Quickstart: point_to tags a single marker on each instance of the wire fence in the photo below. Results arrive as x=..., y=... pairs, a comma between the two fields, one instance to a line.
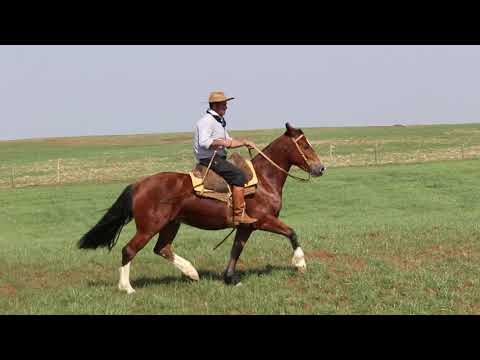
x=111, y=169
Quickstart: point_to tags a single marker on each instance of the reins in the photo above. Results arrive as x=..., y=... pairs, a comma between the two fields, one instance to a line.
x=278, y=167
x=206, y=172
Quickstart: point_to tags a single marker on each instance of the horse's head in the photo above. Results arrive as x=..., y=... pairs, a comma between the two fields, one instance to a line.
x=303, y=154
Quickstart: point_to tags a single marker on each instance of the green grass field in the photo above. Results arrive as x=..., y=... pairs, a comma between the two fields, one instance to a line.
x=387, y=239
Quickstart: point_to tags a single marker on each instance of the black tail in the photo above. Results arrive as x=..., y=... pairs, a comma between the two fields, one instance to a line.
x=108, y=229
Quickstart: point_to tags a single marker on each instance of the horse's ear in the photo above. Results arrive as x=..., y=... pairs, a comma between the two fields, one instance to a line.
x=290, y=129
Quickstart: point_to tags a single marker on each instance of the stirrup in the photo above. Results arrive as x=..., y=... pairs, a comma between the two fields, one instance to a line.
x=236, y=222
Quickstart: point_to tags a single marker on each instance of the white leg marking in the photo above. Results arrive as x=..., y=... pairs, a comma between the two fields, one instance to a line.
x=298, y=260
x=185, y=267
x=124, y=282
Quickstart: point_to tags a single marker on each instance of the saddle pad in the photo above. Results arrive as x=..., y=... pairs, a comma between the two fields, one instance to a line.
x=250, y=187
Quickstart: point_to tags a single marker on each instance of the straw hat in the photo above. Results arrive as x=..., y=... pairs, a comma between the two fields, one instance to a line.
x=218, y=96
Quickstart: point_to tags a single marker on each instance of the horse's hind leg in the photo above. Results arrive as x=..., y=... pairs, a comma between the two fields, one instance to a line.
x=128, y=253
x=164, y=249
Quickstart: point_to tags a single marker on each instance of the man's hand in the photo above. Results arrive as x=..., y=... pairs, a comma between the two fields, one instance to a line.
x=220, y=143
x=249, y=144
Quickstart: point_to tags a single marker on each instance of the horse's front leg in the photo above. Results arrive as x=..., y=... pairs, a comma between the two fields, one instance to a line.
x=274, y=225
x=241, y=238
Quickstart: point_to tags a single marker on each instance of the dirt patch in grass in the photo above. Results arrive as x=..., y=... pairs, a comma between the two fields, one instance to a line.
x=7, y=290
x=320, y=254
x=307, y=307
x=476, y=308
x=465, y=285
x=354, y=262
x=439, y=252
x=51, y=279
x=403, y=263
x=432, y=254
x=462, y=307
x=241, y=266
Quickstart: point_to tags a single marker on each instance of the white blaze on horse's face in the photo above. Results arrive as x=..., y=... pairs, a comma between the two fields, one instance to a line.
x=311, y=161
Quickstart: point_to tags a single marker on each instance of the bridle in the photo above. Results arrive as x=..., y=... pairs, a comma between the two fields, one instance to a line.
x=295, y=141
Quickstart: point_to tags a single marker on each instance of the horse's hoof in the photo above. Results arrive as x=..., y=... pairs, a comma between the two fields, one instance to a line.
x=193, y=275
x=189, y=277
x=128, y=290
x=301, y=269
x=298, y=260
x=232, y=280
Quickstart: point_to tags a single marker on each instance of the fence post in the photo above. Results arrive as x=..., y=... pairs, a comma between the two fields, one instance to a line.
x=463, y=151
x=13, y=177
x=332, y=150
x=376, y=146
x=58, y=171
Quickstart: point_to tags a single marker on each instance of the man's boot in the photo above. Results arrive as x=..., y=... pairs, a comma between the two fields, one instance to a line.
x=239, y=214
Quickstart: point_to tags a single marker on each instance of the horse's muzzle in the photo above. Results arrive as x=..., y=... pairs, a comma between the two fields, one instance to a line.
x=318, y=169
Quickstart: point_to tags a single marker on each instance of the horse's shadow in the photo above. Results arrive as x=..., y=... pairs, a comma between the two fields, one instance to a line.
x=147, y=281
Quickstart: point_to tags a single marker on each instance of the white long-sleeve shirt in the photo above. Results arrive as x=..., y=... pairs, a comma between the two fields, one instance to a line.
x=208, y=129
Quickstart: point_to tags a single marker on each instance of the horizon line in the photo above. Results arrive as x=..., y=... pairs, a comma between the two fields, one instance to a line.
x=399, y=124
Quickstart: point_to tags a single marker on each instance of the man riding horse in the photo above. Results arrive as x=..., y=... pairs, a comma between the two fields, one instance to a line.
x=161, y=202
x=211, y=139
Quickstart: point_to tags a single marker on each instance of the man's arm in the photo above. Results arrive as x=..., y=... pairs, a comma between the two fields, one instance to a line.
x=231, y=143
x=204, y=136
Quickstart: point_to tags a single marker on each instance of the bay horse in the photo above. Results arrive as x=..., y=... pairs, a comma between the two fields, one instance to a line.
x=160, y=203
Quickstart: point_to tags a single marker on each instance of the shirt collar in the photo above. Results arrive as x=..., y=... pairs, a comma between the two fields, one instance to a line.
x=217, y=117
x=213, y=112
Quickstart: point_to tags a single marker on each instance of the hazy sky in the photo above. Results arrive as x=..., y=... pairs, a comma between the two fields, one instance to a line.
x=48, y=91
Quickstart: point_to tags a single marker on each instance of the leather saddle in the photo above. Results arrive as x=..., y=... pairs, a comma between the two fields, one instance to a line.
x=214, y=186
